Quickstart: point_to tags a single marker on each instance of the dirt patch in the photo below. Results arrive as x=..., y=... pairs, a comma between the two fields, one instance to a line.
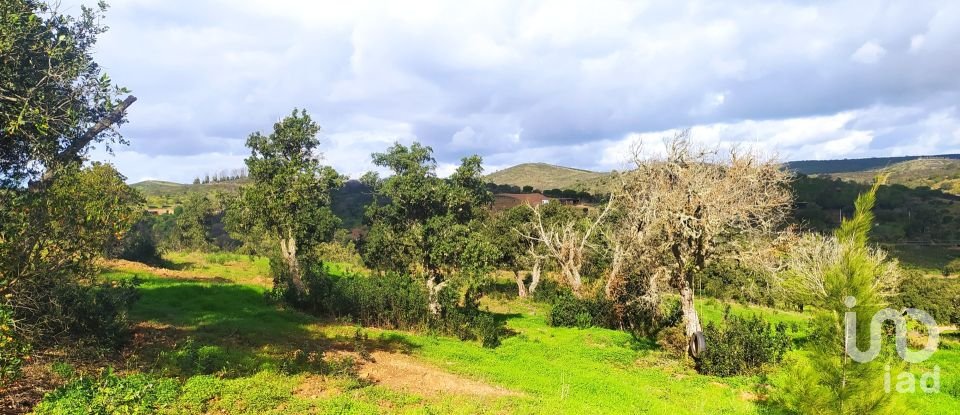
x=400, y=371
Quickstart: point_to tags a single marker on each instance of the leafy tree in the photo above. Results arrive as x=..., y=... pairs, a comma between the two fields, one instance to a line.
x=517, y=252
x=426, y=225
x=289, y=199
x=49, y=243
x=193, y=222
x=54, y=104
x=54, y=99
x=826, y=272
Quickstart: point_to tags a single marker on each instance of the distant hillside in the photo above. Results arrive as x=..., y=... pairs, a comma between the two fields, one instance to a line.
x=544, y=176
x=935, y=173
x=348, y=202
x=161, y=194
x=854, y=165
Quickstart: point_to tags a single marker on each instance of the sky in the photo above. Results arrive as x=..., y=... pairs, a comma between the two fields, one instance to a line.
x=572, y=83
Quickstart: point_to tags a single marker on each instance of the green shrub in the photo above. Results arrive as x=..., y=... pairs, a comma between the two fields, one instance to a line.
x=391, y=300
x=140, y=244
x=938, y=297
x=13, y=350
x=189, y=358
x=488, y=329
x=674, y=341
x=598, y=311
x=111, y=394
x=742, y=346
x=952, y=268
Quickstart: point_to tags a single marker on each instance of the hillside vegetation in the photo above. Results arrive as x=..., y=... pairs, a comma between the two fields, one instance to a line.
x=935, y=173
x=543, y=176
x=854, y=165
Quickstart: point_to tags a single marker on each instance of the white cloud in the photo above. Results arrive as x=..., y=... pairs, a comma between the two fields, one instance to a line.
x=869, y=53
x=558, y=81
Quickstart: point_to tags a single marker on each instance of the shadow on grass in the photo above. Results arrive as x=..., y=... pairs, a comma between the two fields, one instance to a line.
x=235, y=330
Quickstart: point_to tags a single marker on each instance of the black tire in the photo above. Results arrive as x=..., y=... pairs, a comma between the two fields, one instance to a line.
x=698, y=345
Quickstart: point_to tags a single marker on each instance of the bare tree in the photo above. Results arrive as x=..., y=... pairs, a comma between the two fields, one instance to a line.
x=692, y=206
x=567, y=243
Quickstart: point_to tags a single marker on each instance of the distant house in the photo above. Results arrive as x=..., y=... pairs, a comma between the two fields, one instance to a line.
x=505, y=201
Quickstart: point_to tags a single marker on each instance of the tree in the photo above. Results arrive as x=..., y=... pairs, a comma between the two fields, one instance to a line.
x=54, y=100
x=193, y=222
x=683, y=211
x=55, y=103
x=289, y=198
x=516, y=251
x=49, y=243
x=827, y=272
x=426, y=225
x=565, y=238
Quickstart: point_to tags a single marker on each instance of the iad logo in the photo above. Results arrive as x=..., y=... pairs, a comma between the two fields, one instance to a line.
x=906, y=381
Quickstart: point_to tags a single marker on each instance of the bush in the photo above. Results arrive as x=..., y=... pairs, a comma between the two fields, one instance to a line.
x=952, y=268
x=742, y=346
x=598, y=311
x=139, y=244
x=488, y=329
x=938, y=297
x=394, y=301
x=673, y=340
x=13, y=350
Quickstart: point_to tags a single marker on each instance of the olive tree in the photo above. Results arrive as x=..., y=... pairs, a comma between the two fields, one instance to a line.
x=681, y=211
x=289, y=198
x=55, y=103
x=427, y=225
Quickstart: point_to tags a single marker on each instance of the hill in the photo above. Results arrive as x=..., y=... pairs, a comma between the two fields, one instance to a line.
x=810, y=167
x=935, y=173
x=161, y=194
x=544, y=176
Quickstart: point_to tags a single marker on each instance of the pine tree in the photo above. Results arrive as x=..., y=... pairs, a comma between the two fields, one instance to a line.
x=827, y=380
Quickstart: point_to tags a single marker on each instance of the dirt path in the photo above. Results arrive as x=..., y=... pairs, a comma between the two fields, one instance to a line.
x=400, y=371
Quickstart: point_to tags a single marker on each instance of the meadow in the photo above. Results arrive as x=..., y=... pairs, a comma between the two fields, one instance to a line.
x=207, y=339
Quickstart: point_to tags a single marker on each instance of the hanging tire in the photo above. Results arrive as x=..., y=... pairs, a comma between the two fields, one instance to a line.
x=698, y=345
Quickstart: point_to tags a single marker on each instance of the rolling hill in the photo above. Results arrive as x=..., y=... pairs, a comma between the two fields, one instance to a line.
x=810, y=167
x=544, y=176
x=935, y=173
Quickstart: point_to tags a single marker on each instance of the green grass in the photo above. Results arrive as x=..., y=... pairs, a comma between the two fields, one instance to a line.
x=228, y=349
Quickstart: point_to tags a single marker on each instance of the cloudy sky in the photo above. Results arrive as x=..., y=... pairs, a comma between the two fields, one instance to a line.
x=564, y=82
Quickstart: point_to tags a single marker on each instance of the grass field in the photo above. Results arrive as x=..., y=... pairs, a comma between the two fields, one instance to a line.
x=216, y=344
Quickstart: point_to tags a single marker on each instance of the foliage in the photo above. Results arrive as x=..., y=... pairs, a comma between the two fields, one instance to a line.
x=140, y=244
x=828, y=381
x=599, y=311
x=730, y=280
x=940, y=297
x=742, y=346
x=50, y=239
x=111, y=394
x=421, y=224
x=13, y=350
x=289, y=199
x=47, y=110
x=952, y=268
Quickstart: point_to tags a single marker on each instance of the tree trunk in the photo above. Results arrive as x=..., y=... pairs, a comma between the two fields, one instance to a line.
x=288, y=248
x=691, y=321
x=521, y=288
x=534, y=278
x=434, y=286
x=573, y=279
